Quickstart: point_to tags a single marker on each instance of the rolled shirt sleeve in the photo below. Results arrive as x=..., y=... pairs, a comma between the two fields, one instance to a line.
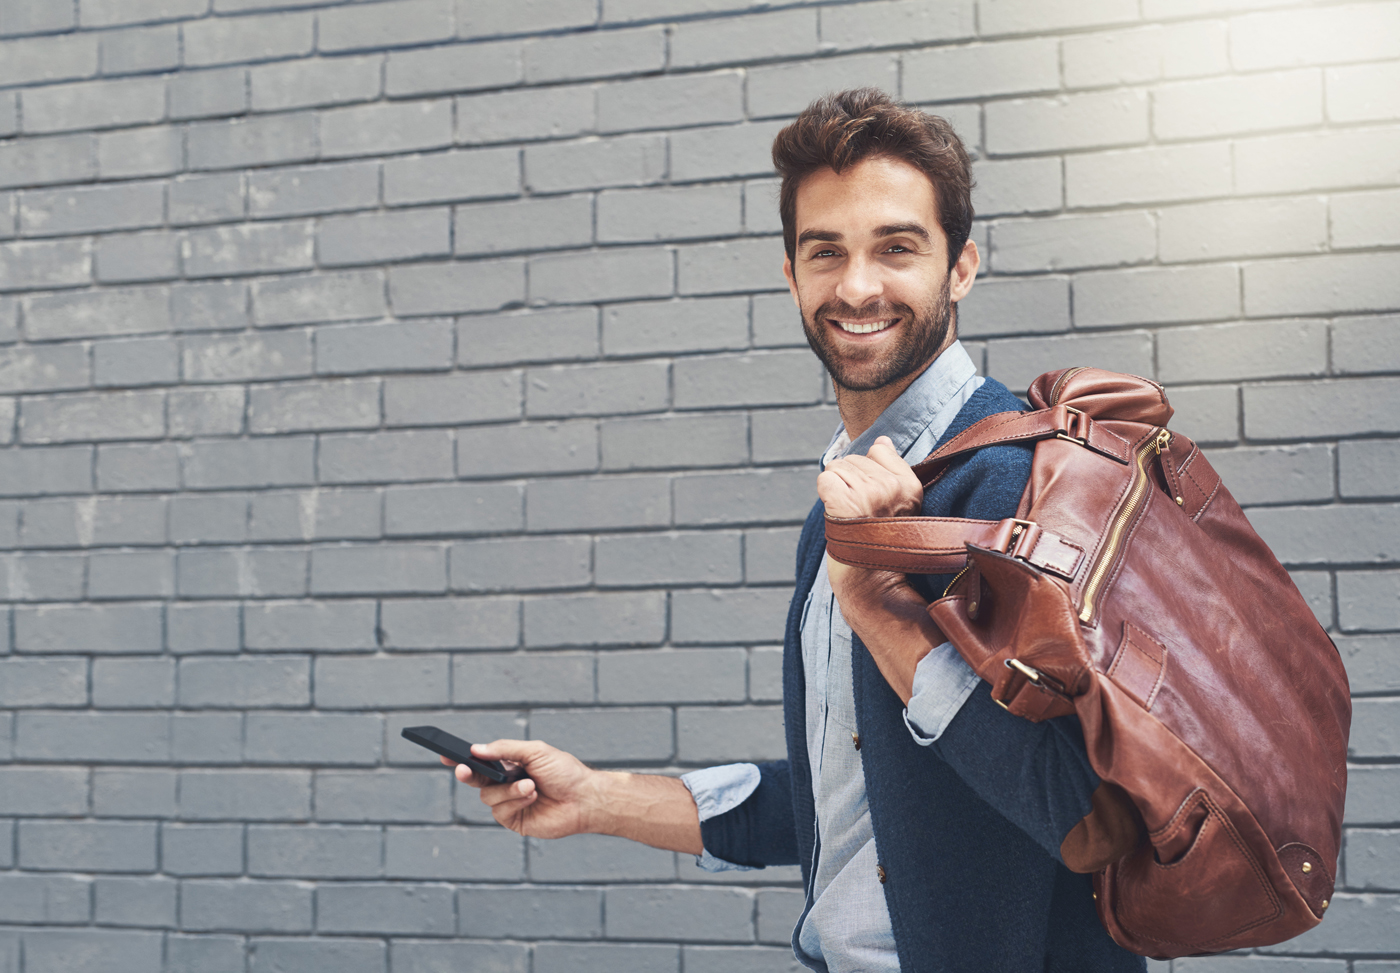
x=718, y=790
x=942, y=683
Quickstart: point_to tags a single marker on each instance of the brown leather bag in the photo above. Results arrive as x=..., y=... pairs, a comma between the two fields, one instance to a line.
x=1130, y=590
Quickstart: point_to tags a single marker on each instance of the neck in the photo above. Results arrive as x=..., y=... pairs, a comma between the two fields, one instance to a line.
x=860, y=409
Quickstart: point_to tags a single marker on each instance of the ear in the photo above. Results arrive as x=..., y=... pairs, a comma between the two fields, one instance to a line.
x=964, y=272
x=792, y=281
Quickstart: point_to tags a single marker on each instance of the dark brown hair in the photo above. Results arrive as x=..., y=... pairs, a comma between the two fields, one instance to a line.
x=837, y=131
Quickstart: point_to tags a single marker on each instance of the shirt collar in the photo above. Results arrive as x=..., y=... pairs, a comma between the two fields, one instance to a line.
x=906, y=418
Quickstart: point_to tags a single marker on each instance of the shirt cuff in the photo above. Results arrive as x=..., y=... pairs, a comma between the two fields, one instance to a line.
x=942, y=683
x=719, y=790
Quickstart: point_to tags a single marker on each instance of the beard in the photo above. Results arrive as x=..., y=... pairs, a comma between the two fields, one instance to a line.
x=920, y=338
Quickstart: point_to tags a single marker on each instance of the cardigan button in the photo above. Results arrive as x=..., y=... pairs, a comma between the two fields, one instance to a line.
x=855, y=739
x=880, y=871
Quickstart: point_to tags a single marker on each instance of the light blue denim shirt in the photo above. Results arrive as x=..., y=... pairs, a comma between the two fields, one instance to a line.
x=845, y=927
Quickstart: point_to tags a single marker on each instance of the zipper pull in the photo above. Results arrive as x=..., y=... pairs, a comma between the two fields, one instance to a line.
x=1163, y=438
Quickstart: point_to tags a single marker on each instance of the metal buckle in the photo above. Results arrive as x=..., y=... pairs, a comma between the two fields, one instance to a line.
x=1071, y=439
x=1034, y=676
x=1025, y=525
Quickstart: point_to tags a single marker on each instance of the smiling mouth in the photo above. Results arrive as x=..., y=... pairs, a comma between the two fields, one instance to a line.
x=864, y=327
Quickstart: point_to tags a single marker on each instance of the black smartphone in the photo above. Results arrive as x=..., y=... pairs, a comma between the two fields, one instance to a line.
x=455, y=748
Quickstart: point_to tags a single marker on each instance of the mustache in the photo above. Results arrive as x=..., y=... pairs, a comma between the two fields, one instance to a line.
x=870, y=312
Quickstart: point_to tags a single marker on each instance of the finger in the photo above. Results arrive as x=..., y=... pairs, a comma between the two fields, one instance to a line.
x=496, y=794
x=464, y=774
x=887, y=457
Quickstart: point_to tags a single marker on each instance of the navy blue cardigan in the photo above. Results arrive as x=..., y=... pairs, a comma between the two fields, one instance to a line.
x=968, y=829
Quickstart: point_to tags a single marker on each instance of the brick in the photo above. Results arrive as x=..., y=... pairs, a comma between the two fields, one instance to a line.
x=212, y=904
x=107, y=13
x=204, y=954
x=895, y=23
x=452, y=509
x=447, y=176
x=1071, y=242
x=105, y=415
x=335, y=404
x=705, y=915
x=785, y=89
x=521, y=563
x=203, y=94
x=223, y=40
x=96, y=104
x=249, y=248
x=1353, y=32
x=144, y=683
x=450, y=623
x=140, y=467
x=323, y=739
x=43, y=791
x=1363, y=92
x=1288, y=474
x=202, y=628
x=755, y=37
x=768, y=554
x=1236, y=351
x=90, y=950
x=1372, y=859
x=201, y=849
x=125, y=793
x=1365, y=219
x=733, y=265
x=1364, y=345
x=381, y=682
x=38, y=368
x=44, y=577
x=623, y=618
x=43, y=161
x=571, y=57
x=339, y=625
x=380, y=237
x=1354, y=533
x=1226, y=106
x=93, y=737
x=533, y=678
x=384, y=796
x=751, y=496
x=262, y=140
x=252, y=681
x=1207, y=413
x=45, y=899
x=1373, y=733
x=386, y=568
x=714, y=959
x=376, y=457
x=385, y=127
x=613, y=274
x=196, y=519
x=606, y=958
x=153, y=151
x=209, y=306
x=451, y=288
x=404, y=346
x=678, y=441
x=507, y=116
x=669, y=213
x=43, y=682
x=87, y=846
x=453, y=68
x=1240, y=228
x=85, y=209
x=1156, y=294
x=527, y=913
x=572, y=504
x=1015, y=305
x=22, y=20
x=672, y=558
x=612, y=734
x=56, y=58
x=1343, y=158
x=1143, y=54
x=253, y=795
x=1163, y=173
x=1017, y=361
x=281, y=851
x=208, y=738
x=1370, y=468
x=785, y=435
x=476, y=854
x=523, y=224
x=315, y=514
x=385, y=909
x=1091, y=120
x=266, y=355
x=25, y=472
x=692, y=99
x=597, y=389
x=30, y=266
x=473, y=20
x=1366, y=600
x=1355, y=282
x=722, y=151
x=88, y=628
x=1017, y=186
x=135, y=901
x=679, y=676
x=142, y=361
x=140, y=50
x=303, y=190
x=384, y=25
x=346, y=955
x=980, y=70
x=1357, y=924
x=303, y=300
x=732, y=615
x=204, y=412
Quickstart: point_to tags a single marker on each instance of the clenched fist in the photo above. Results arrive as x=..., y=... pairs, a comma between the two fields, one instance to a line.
x=879, y=484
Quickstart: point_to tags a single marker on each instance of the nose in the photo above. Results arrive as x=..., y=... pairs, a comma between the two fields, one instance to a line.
x=860, y=282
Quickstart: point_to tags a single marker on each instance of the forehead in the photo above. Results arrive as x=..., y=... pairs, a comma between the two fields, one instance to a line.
x=878, y=191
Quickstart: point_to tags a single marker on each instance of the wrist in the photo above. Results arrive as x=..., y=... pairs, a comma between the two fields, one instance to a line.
x=601, y=801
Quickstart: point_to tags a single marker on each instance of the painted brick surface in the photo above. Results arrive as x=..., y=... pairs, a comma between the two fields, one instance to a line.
x=376, y=362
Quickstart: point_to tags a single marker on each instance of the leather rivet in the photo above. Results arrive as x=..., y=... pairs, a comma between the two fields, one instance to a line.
x=1326, y=903
x=1179, y=501
x=880, y=871
x=1307, y=867
x=1095, y=895
x=855, y=739
x=972, y=609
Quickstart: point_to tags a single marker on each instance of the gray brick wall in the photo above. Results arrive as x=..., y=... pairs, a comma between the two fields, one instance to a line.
x=365, y=364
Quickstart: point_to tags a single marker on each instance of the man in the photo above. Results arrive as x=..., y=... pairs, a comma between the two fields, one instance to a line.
x=927, y=821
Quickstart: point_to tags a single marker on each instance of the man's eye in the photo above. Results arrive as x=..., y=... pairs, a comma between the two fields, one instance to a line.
x=898, y=248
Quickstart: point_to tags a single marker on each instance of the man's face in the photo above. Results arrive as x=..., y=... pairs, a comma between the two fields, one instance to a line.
x=870, y=274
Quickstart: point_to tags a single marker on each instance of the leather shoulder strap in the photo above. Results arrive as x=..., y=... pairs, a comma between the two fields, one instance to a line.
x=1011, y=427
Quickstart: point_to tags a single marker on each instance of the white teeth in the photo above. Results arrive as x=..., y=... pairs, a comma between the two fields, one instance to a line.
x=852, y=327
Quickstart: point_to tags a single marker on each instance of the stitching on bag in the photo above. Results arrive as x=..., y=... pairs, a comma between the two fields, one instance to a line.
x=1218, y=484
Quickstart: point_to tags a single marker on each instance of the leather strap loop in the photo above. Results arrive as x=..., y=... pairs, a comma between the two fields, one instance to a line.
x=1010, y=427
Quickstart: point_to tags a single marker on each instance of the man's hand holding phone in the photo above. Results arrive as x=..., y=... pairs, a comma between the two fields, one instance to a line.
x=559, y=797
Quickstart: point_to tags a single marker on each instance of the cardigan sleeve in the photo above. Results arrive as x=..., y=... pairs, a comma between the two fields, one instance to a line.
x=759, y=831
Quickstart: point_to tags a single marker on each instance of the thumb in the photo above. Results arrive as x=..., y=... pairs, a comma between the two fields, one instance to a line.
x=520, y=751
x=883, y=452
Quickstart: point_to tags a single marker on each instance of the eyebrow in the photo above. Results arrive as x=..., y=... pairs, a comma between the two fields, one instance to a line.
x=889, y=229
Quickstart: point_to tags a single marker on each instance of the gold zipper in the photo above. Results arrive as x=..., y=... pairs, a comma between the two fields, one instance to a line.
x=1060, y=382
x=1120, y=522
